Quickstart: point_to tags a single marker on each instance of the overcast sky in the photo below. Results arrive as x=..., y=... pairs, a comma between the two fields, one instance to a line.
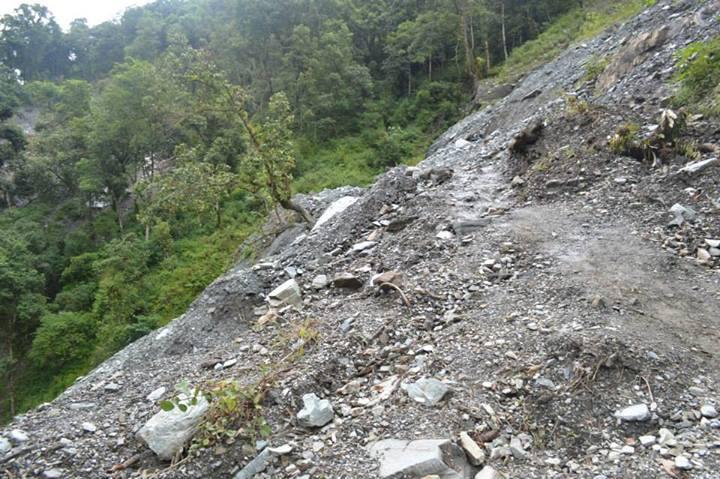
x=65, y=11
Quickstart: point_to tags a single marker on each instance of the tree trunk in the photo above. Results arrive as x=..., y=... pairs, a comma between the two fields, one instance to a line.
x=502, y=24
x=291, y=205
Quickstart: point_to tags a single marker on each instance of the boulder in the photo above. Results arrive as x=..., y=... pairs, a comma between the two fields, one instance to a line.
x=634, y=413
x=5, y=445
x=286, y=293
x=316, y=412
x=421, y=458
x=167, y=432
x=335, y=208
x=427, y=391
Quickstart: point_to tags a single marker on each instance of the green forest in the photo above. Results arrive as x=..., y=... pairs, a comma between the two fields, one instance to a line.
x=137, y=154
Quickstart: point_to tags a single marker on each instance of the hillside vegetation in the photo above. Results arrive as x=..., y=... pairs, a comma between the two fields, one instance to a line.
x=158, y=142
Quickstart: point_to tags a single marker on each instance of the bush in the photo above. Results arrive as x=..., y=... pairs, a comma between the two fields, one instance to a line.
x=63, y=339
x=699, y=76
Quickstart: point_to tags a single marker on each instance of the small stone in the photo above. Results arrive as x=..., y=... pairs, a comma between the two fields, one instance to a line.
x=628, y=450
x=420, y=458
x=89, y=427
x=473, y=451
x=703, y=255
x=281, y=450
x=320, y=281
x=18, y=436
x=112, y=387
x=667, y=438
x=316, y=412
x=230, y=363
x=545, y=383
x=517, y=181
x=363, y=246
x=53, y=474
x=708, y=411
x=445, y=235
x=683, y=463
x=634, y=413
x=647, y=441
x=516, y=448
x=156, y=394
x=5, y=445
x=487, y=472
x=427, y=391
x=346, y=280
x=501, y=452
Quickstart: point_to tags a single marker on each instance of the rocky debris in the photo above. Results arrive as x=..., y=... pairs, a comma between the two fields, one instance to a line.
x=167, y=432
x=526, y=138
x=474, y=452
x=347, y=281
x=287, y=293
x=316, y=412
x=632, y=55
x=428, y=391
x=421, y=458
x=634, y=413
x=436, y=175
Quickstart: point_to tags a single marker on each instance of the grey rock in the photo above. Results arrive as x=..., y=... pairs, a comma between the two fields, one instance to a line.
x=516, y=448
x=53, y=474
x=427, y=391
x=5, y=445
x=545, y=383
x=667, y=438
x=19, y=436
x=285, y=294
x=168, y=431
x=316, y=412
x=156, y=394
x=474, y=452
x=708, y=411
x=421, y=458
x=76, y=406
x=112, y=387
x=445, y=235
x=256, y=466
x=488, y=472
x=634, y=413
x=703, y=254
x=500, y=452
x=713, y=243
x=347, y=280
x=320, y=281
x=648, y=440
x=697, y=166
x=683, y=213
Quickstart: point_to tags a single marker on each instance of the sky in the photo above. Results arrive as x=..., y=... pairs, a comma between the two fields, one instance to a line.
x=65, y=11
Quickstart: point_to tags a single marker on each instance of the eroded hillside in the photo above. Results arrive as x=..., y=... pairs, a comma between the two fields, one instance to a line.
x=555, y=312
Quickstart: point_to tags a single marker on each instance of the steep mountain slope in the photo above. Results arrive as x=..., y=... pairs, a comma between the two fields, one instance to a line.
x=544, y=288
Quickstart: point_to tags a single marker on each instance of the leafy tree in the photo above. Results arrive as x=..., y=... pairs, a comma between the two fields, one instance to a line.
x=62, y=339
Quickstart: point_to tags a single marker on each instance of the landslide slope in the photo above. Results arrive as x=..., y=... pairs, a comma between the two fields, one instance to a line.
x=546, y=289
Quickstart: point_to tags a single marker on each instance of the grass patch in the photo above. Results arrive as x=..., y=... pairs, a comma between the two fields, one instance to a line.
x=698, y=76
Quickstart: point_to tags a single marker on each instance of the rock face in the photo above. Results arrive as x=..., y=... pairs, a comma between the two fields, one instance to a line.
x=316, y=412
x=417, y=459
x=167, y=432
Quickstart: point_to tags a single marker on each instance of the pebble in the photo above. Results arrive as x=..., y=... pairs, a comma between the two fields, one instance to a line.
x=634, y=413
x=647, y=440
x=683, y=463
x=708, y=411
x=487, y=472
x=428, y=391
x=53, y=474
x=5, y=445
x=112, y=387
x=89, y=427
x=473, y=451
x=156, y=394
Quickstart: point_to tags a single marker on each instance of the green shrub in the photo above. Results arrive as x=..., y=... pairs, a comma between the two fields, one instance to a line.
x=698, y=75
x=62, y=339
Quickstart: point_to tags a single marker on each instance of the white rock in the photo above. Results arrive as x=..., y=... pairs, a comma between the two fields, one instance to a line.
x=683, y=463
x=53, y=474
x=713, y=243
x=281, y=450
x=5, y=445
x=286, y=293
x=445, y=235
x=667, y=438
x=647, y=441
x=156, y=394
x=708, y=411
x=627, y=450
x=335, y=208
x=420, y=458
x=636, y=412
x=427, y=391
x=112, y=387
x=230, y=363
x=18, y=436
x=316, y=412
x=89, y=427
x=473, y=451
x=320, y=281
x=168, y=431
x=363, y=246
x=488, y=472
